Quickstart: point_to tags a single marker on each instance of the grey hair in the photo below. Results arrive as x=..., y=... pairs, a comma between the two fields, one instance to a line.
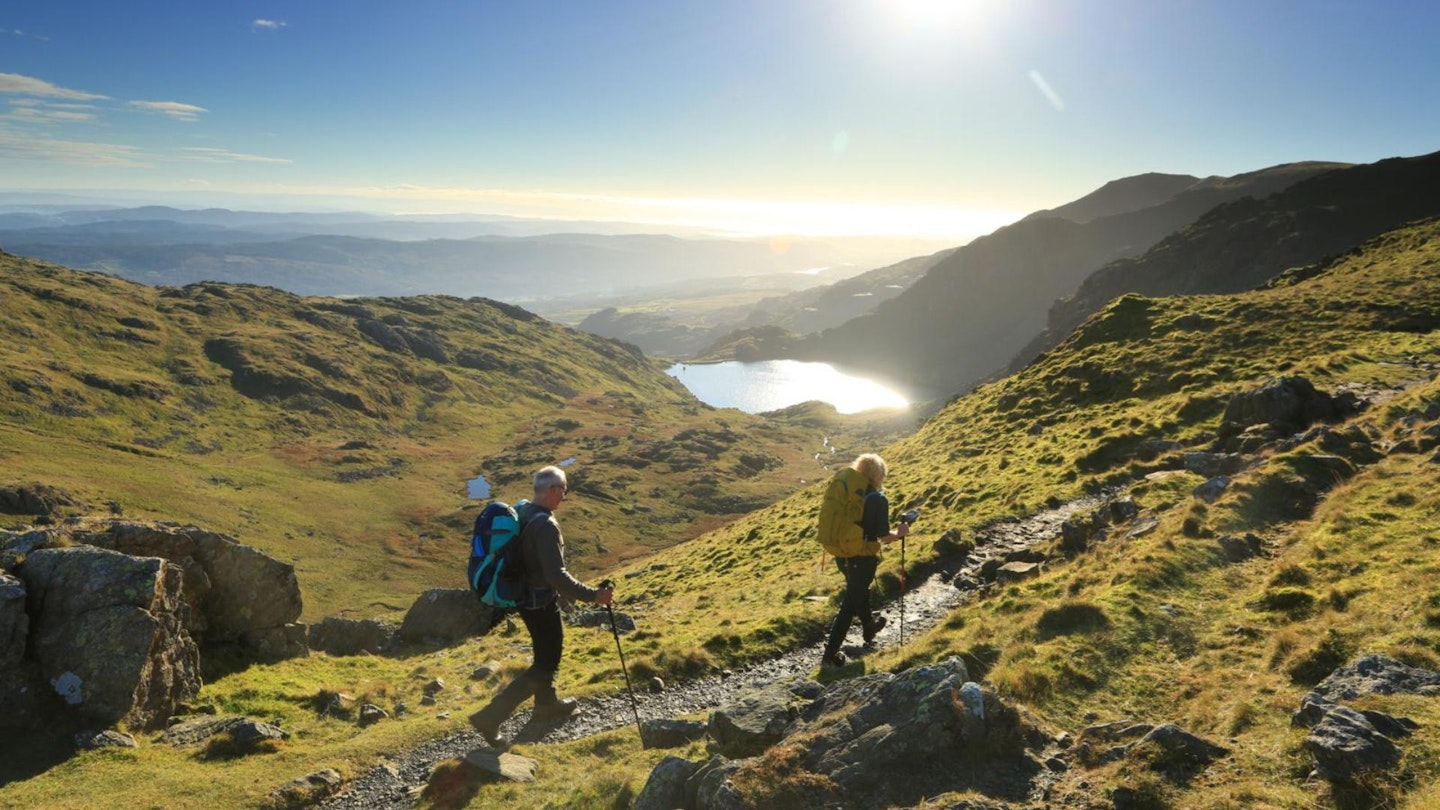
x=548, y=477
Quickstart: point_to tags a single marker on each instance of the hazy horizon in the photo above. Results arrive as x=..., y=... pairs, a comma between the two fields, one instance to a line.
x=932, y=119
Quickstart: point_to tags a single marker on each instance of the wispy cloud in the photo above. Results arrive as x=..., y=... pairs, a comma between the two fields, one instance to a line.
x=16, y=32
x=268, y=25
x=16, y=84
x=35, y=111
x=206, y=154
x=24, y=146
x=173, y=109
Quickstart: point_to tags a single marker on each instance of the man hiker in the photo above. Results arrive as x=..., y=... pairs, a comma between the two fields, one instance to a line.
x=543, y=550
x=859, y=567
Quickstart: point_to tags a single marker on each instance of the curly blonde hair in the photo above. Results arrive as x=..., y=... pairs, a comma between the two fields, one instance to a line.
x=872, y=467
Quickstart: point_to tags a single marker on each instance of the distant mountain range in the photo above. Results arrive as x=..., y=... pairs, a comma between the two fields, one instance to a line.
x=361, y=254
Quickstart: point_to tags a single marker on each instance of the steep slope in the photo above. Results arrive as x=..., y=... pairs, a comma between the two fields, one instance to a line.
x=340, y=434
x=702, y=326
x=1245, y=243
x=1155, y=620
x=972, y=312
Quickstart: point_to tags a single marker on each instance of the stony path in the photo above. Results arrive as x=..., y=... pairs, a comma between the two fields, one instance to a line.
x=397, y=785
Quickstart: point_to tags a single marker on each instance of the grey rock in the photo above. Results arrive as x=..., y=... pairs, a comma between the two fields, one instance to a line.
x=442, y=617
x=245, y=732
x=600, y=618
x=664, y=733
x=665, y=788
x=92, y=740
x=1345, y=744
x=1312, y=710
x=108, y=633
x=1017, y=572
x=1391, y=726
x=1211, y=490
x=269, y=645
x=310, y=789
x=1213, y=465
x=507, y=766
x=337, y=636
x=1180, y=748
x=371, y=714
x=1378, y=675
x=754, y=722
x=235, y=589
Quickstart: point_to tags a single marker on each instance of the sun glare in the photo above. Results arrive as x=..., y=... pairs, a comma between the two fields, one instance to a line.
x=932, y=16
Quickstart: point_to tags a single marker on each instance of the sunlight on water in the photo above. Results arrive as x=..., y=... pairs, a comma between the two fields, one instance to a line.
x=774, y=384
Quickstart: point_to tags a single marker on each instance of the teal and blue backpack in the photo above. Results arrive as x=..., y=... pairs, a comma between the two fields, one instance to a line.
x=497, y=567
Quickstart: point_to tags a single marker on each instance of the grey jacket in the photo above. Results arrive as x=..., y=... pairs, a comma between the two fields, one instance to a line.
x=544, y=550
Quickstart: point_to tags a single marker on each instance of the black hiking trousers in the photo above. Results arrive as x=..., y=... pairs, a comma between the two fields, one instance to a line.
x=859, y=573
x=547, y=640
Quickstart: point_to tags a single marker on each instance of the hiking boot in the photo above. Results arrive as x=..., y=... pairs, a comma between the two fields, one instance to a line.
x=833, y=660
x=876, y=625
x=556, y=712
x=489, y=729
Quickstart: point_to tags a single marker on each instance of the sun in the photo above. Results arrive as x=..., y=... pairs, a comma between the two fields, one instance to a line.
x=933, y=17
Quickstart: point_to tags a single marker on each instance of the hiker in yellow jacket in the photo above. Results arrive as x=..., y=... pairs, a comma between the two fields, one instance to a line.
x=859, y=564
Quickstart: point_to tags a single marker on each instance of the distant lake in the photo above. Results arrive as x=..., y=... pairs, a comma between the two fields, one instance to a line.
x=774, y=384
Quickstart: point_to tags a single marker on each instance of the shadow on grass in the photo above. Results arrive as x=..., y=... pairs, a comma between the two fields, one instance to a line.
x=454, y=785
x=37, y=754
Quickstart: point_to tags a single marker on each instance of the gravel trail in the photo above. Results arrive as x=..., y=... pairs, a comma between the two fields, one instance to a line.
x=398, y=784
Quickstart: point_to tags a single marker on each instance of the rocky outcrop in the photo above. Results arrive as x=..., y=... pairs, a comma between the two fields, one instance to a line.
x=444, y=616
x=235, y=594
x=245, y=733
x=1285, y=405
x=876, y=740
x=235, y=591
x=1345, y=743
x=337, y=636
x=754, y=722
x=34, y=499
x=108, y=633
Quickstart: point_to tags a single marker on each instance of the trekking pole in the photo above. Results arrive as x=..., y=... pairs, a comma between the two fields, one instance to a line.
x=634, y=706
x=902, y=592
x=909, y=517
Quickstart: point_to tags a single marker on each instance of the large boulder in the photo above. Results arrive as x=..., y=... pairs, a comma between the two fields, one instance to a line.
x=108, y=633
x=235, y=590
x=444, y=616
x=1346, y=744
x=1289, y=404
x=755, y=721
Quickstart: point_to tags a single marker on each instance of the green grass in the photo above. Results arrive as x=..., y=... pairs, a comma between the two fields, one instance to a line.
x=1161, y=627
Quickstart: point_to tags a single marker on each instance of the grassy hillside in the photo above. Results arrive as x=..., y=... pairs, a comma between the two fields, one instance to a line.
x=1160, y=627
x=967, y=317
x=1240, y=245
x=339, y=434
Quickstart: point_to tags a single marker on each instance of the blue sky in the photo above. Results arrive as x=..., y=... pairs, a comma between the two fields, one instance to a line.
x=843, y=116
